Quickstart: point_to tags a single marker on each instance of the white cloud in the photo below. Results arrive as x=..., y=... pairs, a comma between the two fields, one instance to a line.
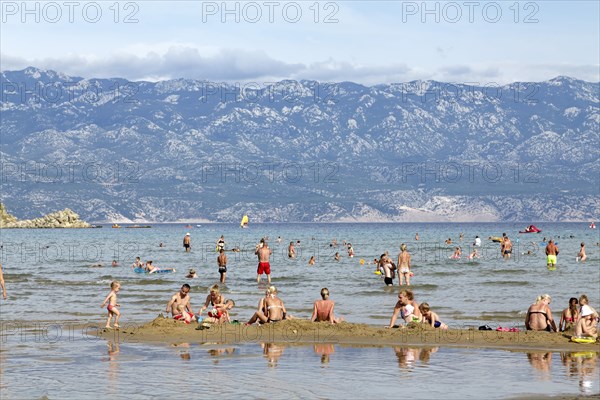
x=236, y=65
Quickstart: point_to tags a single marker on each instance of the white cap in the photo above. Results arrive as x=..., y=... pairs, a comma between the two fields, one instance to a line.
x=586, y=310
x=187, y=234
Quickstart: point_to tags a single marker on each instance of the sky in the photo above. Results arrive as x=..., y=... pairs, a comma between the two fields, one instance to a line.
x=368, y=42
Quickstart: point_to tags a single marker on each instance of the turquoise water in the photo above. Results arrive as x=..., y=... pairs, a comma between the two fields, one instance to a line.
x=51, y=283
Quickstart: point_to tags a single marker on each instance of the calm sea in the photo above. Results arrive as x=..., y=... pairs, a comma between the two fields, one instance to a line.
x=53, y=286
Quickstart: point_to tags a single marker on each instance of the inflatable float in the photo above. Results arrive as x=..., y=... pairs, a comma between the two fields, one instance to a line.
x=140, y=270
x=531, y=229
x=583, y=339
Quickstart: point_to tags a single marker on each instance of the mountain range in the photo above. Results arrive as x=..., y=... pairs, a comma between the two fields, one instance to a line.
x=187, y=150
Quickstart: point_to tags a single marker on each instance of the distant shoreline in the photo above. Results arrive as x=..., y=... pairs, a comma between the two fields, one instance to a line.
x=340, y=222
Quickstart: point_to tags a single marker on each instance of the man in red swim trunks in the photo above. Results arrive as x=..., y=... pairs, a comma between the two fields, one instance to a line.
x=263, y=252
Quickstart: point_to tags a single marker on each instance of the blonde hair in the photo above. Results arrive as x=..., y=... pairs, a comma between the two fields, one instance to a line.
x=402, y=247
x=272, y=289
x=543, y=297
x=115, y=284
x=424, y=307
x=583, y=299
x=215, y=289
x=409, y=294
x=324, y=293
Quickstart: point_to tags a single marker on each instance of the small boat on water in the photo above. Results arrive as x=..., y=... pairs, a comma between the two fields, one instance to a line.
x=138, y=226
x=96, y=226
x=244, y=222
x=116, y=226
x=592, y=225
x=188, y=226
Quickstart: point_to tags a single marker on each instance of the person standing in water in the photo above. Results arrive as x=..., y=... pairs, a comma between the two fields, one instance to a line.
x=263, y=253
x=2, y=283
x=385, y=265
x=221, y=243
x=187, y=242
x=551, y=253
x=506, y=247
x=291, y=250
x=222, y=262
x=404, y=264
x=112, y=309
x=581, y=256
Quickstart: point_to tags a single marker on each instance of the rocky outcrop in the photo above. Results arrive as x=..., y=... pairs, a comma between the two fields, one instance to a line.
x=5, y=217
x=60, y=219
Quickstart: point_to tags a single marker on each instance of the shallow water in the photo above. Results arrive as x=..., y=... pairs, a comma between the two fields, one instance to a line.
x=50, y=270
x=272, y=370
x=52, y=286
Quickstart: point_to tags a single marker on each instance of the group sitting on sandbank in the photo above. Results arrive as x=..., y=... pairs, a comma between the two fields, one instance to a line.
x=582, y=321
x=271, y=309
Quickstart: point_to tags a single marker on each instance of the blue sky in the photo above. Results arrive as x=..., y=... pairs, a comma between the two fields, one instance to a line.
x=367, y=42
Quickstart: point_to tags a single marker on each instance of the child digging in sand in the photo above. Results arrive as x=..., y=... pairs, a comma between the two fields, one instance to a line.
x=431, y=318
x=112, y=309
x=218, y=315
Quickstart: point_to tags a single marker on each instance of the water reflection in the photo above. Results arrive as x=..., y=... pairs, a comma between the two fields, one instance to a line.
x=183, y=350
x=541, y=363
x=272, y=353
x=219, y=352
x=582, y=365
x=113, y=351
x=408, y=356
x=325, y=350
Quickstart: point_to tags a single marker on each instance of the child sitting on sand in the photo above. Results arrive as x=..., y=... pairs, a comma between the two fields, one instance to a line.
x=430, y=317
x=587, y=325
x=112, y=309
x=218, y=315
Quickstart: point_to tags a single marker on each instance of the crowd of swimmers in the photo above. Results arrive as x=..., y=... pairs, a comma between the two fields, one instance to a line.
x=582, y=321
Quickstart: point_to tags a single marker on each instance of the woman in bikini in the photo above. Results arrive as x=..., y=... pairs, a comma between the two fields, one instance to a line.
x=274, y=309
x=539, y=315
x=404, y=265
x=569, y=316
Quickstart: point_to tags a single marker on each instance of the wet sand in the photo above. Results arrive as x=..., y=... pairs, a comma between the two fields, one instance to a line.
x=166, y=330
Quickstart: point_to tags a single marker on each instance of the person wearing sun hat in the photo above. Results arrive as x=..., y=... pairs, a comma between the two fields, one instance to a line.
x=587, y=325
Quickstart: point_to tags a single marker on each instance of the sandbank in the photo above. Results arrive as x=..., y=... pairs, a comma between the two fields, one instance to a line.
x=169, y=331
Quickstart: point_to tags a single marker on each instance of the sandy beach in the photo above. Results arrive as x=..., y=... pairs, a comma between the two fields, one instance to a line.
x=166, y=330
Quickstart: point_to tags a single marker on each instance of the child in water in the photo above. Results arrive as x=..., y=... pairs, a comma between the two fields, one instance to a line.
x=473, y=255
x=112, y=309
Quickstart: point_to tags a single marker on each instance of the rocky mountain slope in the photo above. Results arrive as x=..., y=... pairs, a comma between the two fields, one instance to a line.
x=188, y=150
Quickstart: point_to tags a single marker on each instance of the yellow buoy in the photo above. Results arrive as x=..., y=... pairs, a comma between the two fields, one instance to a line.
x=362, y=262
